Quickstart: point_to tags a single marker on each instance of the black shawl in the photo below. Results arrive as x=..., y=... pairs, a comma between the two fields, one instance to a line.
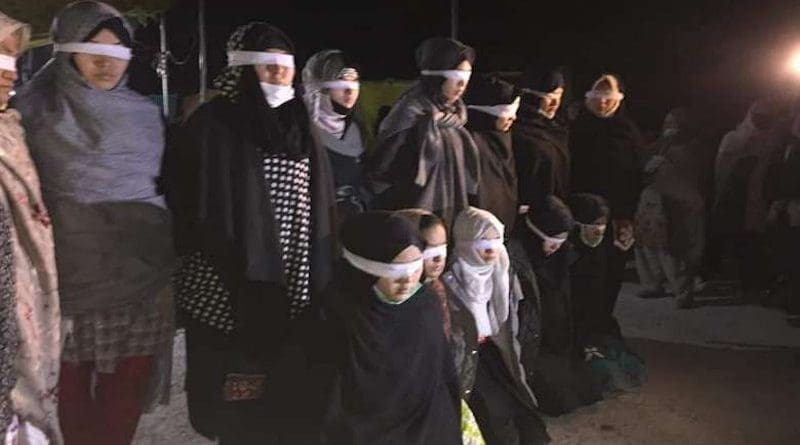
x=396, y=380
x=607, y=160
x=542, y=154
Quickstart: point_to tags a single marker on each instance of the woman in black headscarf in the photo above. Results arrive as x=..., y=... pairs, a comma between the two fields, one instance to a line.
x=597, y=336
x=395, y=381
x=425, y=158
x=557, y=374
x=332, y=86
x=607, y=152
x=541, y=138
x=492, y=108
x=252, y=196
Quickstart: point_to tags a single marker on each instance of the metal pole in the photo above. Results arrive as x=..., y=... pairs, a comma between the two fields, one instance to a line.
x=454, y=19
x=163, y=65
x=202, y=55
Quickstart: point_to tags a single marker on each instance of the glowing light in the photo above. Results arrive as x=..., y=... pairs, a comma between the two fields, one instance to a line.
x=794, y=63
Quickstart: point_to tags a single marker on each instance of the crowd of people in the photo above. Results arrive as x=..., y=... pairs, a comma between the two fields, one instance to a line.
x=453, y=282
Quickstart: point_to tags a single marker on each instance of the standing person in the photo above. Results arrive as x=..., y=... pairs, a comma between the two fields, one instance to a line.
x=559, y=378
x=741, y=208
x=30, y=323
x=331, y=93
x=492, y=109
x=613, y=365
x=670, y=219
x=606, y=149
x=541, y=138
x=484, y=297
x=395, y=381
x=253, y=199
x=98, y=146
x=425, y=158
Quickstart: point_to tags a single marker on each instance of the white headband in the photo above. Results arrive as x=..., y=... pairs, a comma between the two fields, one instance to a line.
x=551, y=95
x=613, y=95
x=383, y=270
x=550, y=239
x=98, y=49
x=594, y=226
x=433, y=252
x=449, y=74
x=507, y=110
x=239, y=58
x=342, y=84
x=486, y=244
x=8, y=63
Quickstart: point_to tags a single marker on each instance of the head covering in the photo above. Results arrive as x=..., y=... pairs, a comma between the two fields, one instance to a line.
x=587, y=208
x=90, y=145
x=323, y=69
x=551, y=216
x=10, y=26
x=608, y=86
x=489, y=98
x=439, y=54
x=541, y=79
x=484, y=288
x=396, y=382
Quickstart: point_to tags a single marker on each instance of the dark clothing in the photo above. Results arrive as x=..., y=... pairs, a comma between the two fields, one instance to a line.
x=497, y=191
x=503, y=418
x=542, y=156
x=463, y=342
x=607, y=160
x=588, y=275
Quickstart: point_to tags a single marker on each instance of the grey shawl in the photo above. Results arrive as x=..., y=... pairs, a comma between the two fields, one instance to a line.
x=98, y=154
x=446, y=169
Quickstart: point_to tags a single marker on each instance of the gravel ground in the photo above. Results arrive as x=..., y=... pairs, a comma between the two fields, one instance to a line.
x=722, y=373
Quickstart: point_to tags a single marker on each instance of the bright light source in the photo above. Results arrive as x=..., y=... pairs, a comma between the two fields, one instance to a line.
x=794, y=63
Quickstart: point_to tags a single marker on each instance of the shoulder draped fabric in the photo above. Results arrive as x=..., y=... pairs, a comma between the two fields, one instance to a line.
x=424, y=162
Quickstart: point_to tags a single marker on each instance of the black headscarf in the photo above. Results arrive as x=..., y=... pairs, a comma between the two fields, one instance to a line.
x=497, y=192
x=551, y=217
x=587, y=208
x=439, y=53
x=541, y=145
x=396, y=380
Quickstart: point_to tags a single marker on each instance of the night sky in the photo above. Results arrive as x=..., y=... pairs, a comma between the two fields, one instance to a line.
x=715, y=55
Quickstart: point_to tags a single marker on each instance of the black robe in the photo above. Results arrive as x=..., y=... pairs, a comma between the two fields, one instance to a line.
x=607, y=160
x=497, y=191
x=542, y=156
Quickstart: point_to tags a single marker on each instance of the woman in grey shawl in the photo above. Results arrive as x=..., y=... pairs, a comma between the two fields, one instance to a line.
x=98, y=146
x=425, y=158
x=332, y=88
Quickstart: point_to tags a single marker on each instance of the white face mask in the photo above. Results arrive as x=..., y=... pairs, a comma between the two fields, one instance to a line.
x=277, y=95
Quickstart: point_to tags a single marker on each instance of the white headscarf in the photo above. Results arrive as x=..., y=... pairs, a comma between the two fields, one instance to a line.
x=596, y=93
x=485, y=287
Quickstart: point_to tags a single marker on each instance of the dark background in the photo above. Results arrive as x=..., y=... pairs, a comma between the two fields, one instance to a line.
x=715, y=55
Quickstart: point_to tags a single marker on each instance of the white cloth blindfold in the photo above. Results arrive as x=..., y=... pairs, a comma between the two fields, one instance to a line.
x=483, y=244
x=550, y=96
x=550, y=239
x=239, y=58
x=433, y=252
x=383, y=270
x=508, y=110
x=612, y=95
x=449, y=74
x=342, y=84
x=8, y=63
x=98, y=49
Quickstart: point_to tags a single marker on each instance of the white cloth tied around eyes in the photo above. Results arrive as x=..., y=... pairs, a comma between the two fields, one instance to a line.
x=483, y=244
x=612, y=95
x=549, y=239
x=98, y=49
x=449, y=74
x=383, y=270
x=433, y=252
x=8, y=63
x=342, y=84
x=239, y=58
x=505, y=110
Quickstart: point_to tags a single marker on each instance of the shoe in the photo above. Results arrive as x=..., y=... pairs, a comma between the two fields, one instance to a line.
x=685, y=301
x=650, y=294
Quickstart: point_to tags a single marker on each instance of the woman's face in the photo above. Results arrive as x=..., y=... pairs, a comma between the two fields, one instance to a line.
x=551, y=102
x=434, y=237
x=504, y=124
x=275, y=74
x=9, y=47
x=489, y=256
x=551, y=246
x=345, y=97
x=399, y=289
x=453, y=89
x=603, y=106
x=101, y=72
